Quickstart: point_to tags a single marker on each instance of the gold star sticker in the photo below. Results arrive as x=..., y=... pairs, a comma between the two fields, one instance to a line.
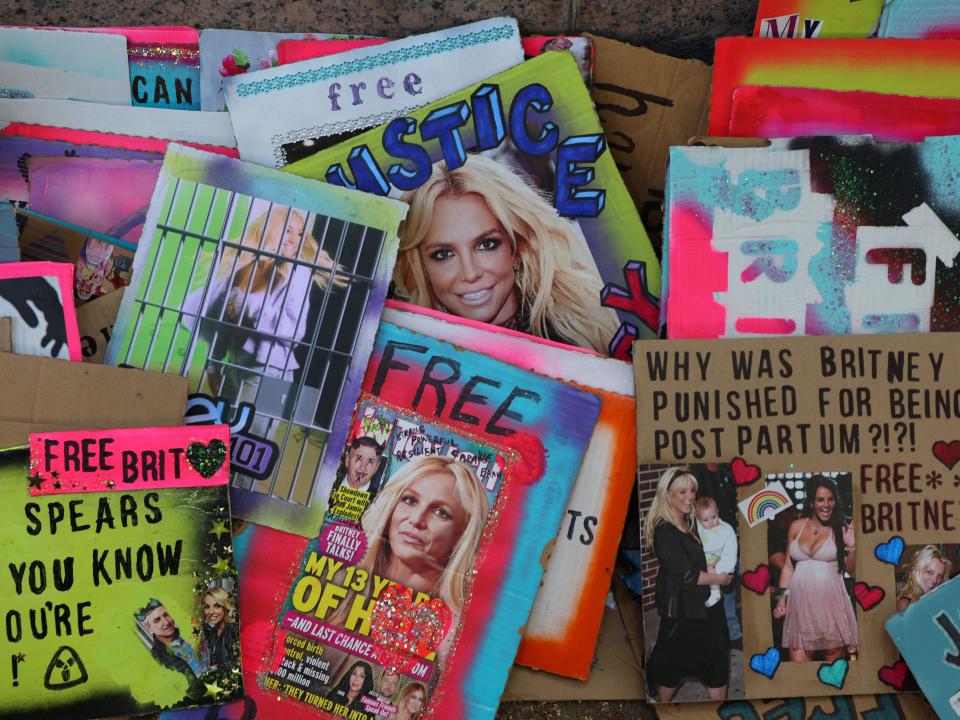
x=213, y=690
x=222, y=566
x=219, y=528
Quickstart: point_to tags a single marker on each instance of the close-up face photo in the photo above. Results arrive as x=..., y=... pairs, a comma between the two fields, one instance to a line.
x=362, y=464
x=824, y=502
x=357, y=677
x=213, y=611
x=683, y=494
x=161, y=624
x=469, y=260
x=427, y=521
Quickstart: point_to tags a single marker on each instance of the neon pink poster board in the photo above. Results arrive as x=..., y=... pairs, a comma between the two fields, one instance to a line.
x=131, y=128
x=919, y=68
x=38, y=296
x=782, y=112
x=121, y=460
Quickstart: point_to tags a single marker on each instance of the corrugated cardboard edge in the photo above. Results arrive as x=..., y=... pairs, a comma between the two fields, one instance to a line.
x=6, y=334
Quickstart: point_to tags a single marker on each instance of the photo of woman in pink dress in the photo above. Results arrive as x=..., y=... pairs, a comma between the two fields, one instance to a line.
x=819, y=619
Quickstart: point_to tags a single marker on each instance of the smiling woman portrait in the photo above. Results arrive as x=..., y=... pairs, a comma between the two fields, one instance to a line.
x=481, y=243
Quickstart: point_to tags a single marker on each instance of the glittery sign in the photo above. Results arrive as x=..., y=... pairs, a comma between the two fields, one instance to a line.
x=128, y=459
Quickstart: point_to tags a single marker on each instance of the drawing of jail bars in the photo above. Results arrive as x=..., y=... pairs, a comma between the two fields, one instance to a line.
x=297, y=400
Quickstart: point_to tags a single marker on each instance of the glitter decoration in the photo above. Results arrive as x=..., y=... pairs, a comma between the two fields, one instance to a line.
x=207, y=459
x=404, y=629
x=177, y=54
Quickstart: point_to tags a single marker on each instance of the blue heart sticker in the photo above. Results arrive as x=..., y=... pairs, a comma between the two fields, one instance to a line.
x=834, y=673
x=890, y=551
x=767, y=663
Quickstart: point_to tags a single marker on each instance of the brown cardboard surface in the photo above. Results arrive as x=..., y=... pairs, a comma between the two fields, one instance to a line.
x=615, y=674
x=907, y=706
x=40, y=394
x=845, y=404
x=6, y=326
x=647, y=102
x=95, y=320
x=731, y=142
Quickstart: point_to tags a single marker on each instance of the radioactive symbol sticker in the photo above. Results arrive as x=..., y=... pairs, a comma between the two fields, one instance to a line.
x=65, y=670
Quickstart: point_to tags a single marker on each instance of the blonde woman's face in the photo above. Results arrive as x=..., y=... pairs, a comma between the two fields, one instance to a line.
x=468, y=259
x=283, y=235
x=427, y=521
x=932, y=575
x=682, y=496
x=213, y=611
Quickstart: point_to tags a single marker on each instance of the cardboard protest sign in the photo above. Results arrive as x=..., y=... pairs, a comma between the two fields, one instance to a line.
x=101, y=263
x=520, y=180
x=920, y=19
x=816, y=19
x=282, y=114
x=644, y=114
x=560, y=634
x=823, y=246
x=5, y=335
x=63, y=65
x=908, y=706
x=16, y=153
x=120, y=596
x=927, y=629
x=782, y=112
x=9, y=240
x=926, y=68
x=95, y=321
x=129, y=128
x=48, y=395
x=264, y=290
x=38, y=297
x=506, y=449
x=859, y=432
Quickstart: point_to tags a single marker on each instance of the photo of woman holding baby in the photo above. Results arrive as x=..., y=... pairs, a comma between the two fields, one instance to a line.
x=691, y=640
x=819, y=618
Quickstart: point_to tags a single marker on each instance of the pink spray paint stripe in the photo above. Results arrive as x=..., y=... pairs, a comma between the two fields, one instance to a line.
x=765, y=326
x=99, y=459
x=114, y=140
x=696, y=273
x=63, y=272
x=785, y=112
x=290, y=51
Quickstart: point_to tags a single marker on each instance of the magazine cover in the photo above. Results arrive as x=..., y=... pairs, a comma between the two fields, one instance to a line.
x=282, y=110
x=450, y=542
x=264, y=291
x=790, y=488
x=813, y=236
x=518, y=215
x=561, y=633
x=121, y=595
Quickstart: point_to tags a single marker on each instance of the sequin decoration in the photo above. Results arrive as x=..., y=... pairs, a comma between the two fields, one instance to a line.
x=404, y=630
x=207, y=459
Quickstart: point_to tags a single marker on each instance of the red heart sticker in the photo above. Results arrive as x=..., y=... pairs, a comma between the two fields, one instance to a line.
x=743, y=472
x=894, y=675
x=404, y=629
x=757, y=580
x=947, y=452
x=868, y=596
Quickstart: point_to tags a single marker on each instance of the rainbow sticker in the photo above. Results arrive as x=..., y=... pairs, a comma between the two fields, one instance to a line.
x=765, y=504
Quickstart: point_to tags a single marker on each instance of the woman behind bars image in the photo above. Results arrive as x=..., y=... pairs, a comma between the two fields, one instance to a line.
x=692, y=638
x=481, y=243
x=255, y=310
